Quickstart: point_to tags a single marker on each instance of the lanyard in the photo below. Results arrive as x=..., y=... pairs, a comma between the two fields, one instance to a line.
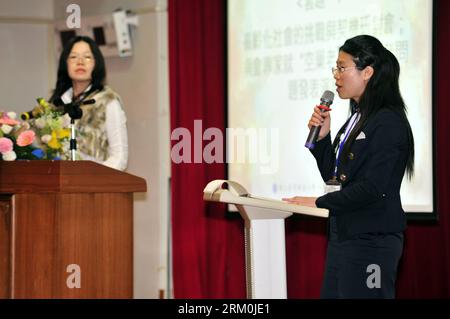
x=350, y=127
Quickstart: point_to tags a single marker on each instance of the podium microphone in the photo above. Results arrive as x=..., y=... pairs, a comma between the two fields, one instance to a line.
x=40, y=108
x=326, y=100
x=30, y=114
x=36, y=111
x=90, y=101
x=75, y=112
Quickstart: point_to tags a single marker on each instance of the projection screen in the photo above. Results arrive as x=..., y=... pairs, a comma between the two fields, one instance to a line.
x=280, y=55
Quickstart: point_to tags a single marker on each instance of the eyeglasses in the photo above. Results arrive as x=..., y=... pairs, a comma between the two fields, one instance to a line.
x=341, y=69
x=84, y=58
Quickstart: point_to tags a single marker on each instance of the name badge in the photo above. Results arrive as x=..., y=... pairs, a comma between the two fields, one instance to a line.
x=332, y=186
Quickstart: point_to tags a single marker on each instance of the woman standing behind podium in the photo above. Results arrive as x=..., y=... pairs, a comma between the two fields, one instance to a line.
x=101, y=131
x=365, y=166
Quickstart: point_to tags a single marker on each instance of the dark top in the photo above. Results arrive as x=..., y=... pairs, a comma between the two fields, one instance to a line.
x=369, y=201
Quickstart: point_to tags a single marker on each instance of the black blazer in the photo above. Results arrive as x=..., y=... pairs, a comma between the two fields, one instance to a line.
x=369, y=201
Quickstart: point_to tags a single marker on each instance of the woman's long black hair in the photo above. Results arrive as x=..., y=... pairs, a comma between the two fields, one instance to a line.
x=63, y=82
x=382, y=90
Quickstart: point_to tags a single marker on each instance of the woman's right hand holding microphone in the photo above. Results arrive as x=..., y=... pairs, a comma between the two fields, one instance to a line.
x=322, y=119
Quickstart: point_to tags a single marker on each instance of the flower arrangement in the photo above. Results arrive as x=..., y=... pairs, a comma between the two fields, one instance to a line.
x=53, y=131
x=45, y=136
x=16, y=139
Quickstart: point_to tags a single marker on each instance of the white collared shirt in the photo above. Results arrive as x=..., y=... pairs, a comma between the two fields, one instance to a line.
x=116, y=132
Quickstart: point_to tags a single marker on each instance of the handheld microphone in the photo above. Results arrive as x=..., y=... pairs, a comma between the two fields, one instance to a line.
x=325, y=100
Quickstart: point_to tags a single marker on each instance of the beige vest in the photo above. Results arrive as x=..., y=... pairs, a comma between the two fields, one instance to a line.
x=92, y=139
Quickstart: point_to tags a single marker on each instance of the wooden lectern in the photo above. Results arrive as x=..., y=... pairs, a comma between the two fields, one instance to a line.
x=66, y=230
x=265, y=259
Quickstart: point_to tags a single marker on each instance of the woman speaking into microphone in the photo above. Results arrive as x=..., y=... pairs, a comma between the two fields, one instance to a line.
x=363, y=169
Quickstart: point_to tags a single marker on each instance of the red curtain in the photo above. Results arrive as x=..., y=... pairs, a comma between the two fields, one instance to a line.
x=425, y=267
x=208, y=261
x=208, y=252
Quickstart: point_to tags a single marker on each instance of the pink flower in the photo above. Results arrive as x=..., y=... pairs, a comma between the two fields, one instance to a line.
x=5, y=119
x=26, y=138
x=6, y=145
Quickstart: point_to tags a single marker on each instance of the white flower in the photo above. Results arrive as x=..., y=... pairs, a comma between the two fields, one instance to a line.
x=12, y=115
x=6, y=128
x=9, y=156
x=46, y=138
x=40, y=123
